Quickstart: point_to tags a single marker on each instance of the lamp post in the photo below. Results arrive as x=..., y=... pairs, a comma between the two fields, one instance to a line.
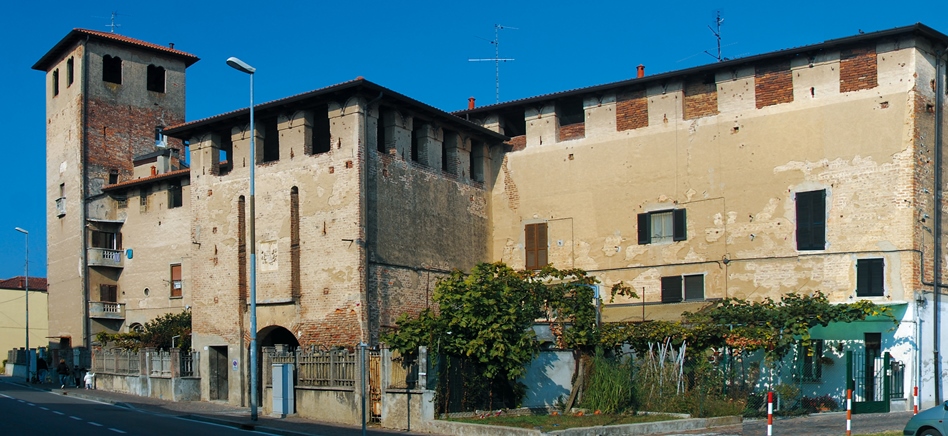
x=244, y=67
x=26, y=286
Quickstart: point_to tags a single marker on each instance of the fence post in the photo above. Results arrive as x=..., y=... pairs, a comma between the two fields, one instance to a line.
x=770, y=413
x=175, y=363
x=422, y=368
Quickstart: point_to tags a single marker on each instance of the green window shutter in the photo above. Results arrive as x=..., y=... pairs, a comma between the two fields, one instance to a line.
x=671, y=289
x=644, y=228
x=680, y=225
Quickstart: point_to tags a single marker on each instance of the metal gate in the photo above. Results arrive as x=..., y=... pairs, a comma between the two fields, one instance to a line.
x=867, y=374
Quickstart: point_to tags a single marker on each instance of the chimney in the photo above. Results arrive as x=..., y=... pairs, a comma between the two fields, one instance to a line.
x=170, y=45
x=640, y=71
x=470, y=103
x=154, y=170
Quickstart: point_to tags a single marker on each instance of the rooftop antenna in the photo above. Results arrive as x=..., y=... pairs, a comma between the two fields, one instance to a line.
x=113, y=25
x=716, y=30
x=496, y=59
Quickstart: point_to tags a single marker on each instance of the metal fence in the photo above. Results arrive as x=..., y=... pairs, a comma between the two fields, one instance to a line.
x=188, y=362
x=316, y=368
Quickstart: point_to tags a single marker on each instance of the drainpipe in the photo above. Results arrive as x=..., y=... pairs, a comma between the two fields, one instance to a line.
x=939, y=199
x=86, y=322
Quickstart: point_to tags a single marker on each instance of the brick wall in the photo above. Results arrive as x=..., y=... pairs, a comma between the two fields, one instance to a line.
x=631, y=110
x=701, y=99
x=518, y=143
x=774, y=84
x=858, y=69
x=572, y=131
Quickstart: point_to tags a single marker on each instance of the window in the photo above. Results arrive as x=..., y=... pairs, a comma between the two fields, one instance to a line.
x=160, y=139
x=107, y=240
x=226, y=158
x=295, y=286
x=55, y=82
x=811, y=220
x=174, y=195
x=477, y=161
x=271, y=140
x=143, y=199
x=869, y=278
x=176, y=282
x=570, y=112
x=812, y=360
x=108, y=293
x=535, y=245
x=662, y=226
x=674, y=292
x=416, y=141
x=156, y=79
x=380, y=138
x=113, y=176
x=112, y=69
x=69, y=72
x=322, y=137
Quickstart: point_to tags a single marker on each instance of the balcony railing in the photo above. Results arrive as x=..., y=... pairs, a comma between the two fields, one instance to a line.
x=105, y=257
x=106, y=310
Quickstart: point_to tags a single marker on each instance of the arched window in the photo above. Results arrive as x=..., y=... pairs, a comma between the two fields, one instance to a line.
x=112, y=69
x=156, y=79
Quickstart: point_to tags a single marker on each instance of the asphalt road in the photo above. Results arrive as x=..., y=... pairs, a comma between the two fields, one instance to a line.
x=30, y=412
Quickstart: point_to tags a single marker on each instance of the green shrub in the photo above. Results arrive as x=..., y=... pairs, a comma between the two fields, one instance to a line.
x=609, y=386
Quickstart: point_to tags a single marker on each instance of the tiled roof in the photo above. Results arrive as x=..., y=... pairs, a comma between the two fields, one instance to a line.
x=149, y=179
x=78, y=34
x=917, y=28
x=359, y=84
x=36, y=283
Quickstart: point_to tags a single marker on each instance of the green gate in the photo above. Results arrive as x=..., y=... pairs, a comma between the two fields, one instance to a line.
x=867, y=374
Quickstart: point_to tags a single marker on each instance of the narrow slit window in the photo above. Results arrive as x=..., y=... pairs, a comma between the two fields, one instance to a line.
x=380, y=129
x=55, y=82
x=295, y=285
x=70, y=71
x=175, y=198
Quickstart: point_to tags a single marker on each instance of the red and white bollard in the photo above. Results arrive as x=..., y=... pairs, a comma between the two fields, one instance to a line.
x=915, y=400
x=770, y=413
x=849, y=412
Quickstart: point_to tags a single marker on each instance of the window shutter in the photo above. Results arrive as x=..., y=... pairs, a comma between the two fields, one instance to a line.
x=644, y=230
x=671, y=289
x=694, y=287
x=542, y=246
x=876, y=283
x=530, y=245
x=862, y=278
x=818, y=229
x=811, y=220
x=118, y=241
x=680, y=225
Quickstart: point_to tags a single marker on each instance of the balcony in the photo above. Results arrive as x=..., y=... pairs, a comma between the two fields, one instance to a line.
x=105, y=257
x=106, y=310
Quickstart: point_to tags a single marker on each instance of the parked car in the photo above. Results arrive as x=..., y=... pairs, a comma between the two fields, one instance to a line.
x=930, y=422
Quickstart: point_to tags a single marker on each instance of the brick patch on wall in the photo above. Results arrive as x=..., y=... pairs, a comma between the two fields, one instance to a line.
x=858, y=69
x=518, y=143
x=572, y=131
x=701, y=99
x=631, y=110
x=773, y=84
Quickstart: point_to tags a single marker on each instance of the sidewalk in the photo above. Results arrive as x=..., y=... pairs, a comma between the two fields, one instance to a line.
x=820, y=424
x=215, y=412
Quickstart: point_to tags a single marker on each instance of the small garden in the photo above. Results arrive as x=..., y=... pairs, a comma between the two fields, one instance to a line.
x=482, y=334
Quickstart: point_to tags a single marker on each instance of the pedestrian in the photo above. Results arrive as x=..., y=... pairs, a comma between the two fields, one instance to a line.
x=63, y=370
x=41, y=370
x=90, y=380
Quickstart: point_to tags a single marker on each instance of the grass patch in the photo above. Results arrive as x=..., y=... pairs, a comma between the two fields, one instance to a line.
x=561, y=422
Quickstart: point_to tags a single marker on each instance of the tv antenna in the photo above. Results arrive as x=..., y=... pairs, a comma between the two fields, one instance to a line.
x=112, y=26
x=716, y=30
x=496, y=59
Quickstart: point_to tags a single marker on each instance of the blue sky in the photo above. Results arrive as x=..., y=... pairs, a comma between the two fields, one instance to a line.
x=418, y=48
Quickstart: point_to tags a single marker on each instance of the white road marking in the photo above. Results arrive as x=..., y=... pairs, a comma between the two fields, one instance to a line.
x=116, y=430
x=30, y=404
x=76, y=418
x=95, y=424
x=43, y=408
x=6, y=396
x=58, y=413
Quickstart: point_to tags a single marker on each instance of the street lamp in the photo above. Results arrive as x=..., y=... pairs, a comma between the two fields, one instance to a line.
x=244, y=67
x=26, y=286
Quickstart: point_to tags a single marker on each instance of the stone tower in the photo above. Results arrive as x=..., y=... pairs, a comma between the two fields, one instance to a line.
x=108, y=98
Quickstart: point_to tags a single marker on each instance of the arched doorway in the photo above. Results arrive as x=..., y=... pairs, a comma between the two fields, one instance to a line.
x=276, y=338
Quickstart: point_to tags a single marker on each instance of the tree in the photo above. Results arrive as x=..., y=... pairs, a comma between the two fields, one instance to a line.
x=157, y=333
